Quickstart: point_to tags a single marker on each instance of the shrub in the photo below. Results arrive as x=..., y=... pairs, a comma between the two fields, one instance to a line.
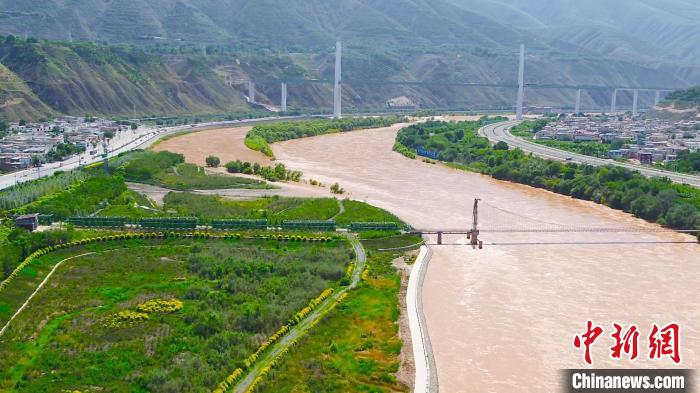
x=124, y=319
x=336, y=189
x=213, y=161
x=158, y=306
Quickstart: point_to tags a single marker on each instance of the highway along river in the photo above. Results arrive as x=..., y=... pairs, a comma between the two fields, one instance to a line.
x=503, y=319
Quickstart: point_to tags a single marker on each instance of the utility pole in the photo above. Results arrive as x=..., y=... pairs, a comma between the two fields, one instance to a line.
x=521, y=84
x=337, y=94
x=105, y=156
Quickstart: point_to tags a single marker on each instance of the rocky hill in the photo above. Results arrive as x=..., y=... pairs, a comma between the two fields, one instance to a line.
x=179, y=52
x=680, y=104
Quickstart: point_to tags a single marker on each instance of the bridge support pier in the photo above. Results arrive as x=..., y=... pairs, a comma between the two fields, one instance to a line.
x=613, y=102
x=337, y=94
x=284, y=97
x=635, y=103
x=657, y=97
x=577, y=109
x=439, y=240
x=251, y=92
x=521, y=85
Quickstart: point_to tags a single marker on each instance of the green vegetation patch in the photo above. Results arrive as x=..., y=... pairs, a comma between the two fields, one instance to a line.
x=81, y=199
x=193, y=177
x=186, y=313
x=273, y=208
x=169, y=170
x=684, y=98
x=355, y=348
x=262, y=135
x=25, y=193
x=356, y=211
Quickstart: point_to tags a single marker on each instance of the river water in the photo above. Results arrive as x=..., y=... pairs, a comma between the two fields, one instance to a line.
x=503, y=319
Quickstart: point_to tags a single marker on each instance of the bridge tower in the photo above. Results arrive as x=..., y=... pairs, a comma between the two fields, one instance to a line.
x=613, y=102
x=251, y=92
x=337, y=94
x=577, y=109
x=635, y=102
x=284, y=97
x=473, y=234
x=521, y=84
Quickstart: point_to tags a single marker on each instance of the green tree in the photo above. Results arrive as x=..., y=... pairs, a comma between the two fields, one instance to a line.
x=213, y=161
x=500, y=145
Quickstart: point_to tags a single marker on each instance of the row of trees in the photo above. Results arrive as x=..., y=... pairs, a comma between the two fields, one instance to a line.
x=656, y=200
x=28, y=192
x=277, y=173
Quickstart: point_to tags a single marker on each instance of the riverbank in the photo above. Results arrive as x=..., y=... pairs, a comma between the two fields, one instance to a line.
x=502, y=318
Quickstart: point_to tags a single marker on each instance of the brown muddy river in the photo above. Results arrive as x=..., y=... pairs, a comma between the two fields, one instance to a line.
x=502, y=319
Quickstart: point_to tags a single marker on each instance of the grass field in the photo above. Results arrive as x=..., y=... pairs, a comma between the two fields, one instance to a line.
x=192, y=177
x=361, y=212
x=234, y=294
x=355, y=348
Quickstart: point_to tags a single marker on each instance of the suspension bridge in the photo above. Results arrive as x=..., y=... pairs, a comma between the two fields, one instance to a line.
x=507, y=221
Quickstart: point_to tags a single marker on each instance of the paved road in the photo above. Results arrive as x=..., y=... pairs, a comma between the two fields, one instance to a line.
x=299, y=329
x=124, y=141
x=501, y=132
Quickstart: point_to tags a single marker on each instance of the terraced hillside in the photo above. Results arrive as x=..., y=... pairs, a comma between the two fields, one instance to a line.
x=86, y=78
x=419, y=40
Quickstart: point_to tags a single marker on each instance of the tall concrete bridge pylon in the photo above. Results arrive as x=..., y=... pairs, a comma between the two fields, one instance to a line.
x=521, y=84
x=337, y=94
x=284, y=97
x=577, y=109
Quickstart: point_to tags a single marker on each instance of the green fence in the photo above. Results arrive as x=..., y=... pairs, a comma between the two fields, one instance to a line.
x=169, y=223
x=46, y=219
x=373, y=226
x=102, y=222
x=309, y=225
x=239, y=224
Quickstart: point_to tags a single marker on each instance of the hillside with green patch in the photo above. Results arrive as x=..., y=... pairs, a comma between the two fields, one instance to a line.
x=85, y=78
x=17, y=100
x=189, y=47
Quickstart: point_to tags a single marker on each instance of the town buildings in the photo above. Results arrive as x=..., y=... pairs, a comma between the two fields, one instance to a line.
x=639, y=139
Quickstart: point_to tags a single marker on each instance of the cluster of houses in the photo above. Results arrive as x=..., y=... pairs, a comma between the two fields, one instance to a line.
x=24, y=142
x=645, y=140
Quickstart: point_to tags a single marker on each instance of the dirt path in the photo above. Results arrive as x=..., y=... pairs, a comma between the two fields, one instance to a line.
x=38, y=288
x=157, y=194
x=304, y=326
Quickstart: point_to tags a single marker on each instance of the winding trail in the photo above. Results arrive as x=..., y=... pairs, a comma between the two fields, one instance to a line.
x=304, y=326
x=341, y=209
x=38, y=288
